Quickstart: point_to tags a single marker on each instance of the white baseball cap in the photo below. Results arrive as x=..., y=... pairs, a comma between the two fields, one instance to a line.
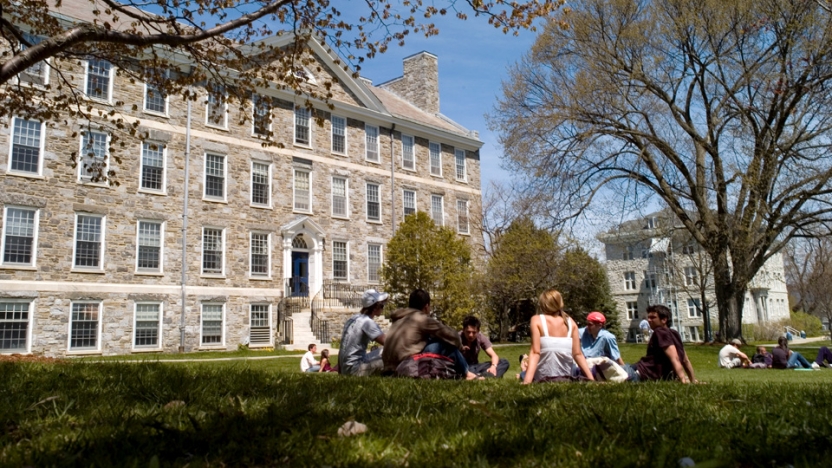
x=372, y=297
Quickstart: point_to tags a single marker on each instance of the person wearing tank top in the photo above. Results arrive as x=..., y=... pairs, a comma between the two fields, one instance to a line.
x=556, y=345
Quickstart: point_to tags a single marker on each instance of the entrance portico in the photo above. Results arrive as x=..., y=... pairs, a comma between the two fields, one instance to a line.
x=303, y=245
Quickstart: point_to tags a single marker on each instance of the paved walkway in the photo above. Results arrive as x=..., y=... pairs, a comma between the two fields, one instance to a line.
x=332, y=352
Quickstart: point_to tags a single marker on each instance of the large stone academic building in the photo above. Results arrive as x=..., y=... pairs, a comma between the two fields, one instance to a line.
x=89, y=268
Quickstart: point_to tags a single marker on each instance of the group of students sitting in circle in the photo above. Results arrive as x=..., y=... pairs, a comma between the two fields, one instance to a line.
x=418, y=345
x=780, y=357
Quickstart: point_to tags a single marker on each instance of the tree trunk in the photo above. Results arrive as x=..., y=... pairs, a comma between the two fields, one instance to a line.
x=706, y=316
x=728, y=304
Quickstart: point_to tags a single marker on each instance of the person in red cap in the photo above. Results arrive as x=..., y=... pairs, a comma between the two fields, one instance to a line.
x=597, y=342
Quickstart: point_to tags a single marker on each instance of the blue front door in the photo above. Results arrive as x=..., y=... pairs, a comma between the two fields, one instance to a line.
x=300, y=273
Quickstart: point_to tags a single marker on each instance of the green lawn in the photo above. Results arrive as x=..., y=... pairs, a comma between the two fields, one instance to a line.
x=266, y=413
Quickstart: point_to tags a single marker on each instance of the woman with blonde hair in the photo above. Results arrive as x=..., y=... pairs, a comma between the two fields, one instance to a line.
x=556, y=345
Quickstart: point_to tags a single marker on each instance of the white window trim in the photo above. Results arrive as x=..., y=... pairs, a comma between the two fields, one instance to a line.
x=632, y=314
x=380, y=262
x=627, y=281
x=29, y=325
x=378, y=144
x=164, y=190
x=81, y=169
x=294, y=128
x=430, y=159
x=346, y=197
x=268, y=274
x=39, y=174
x=109, y=99
x=349, y=276
x=161, y=269
x=202, y=254
x=47, y=66
x=332, y=136
x=271, y=326
x=165, y=114
x=97, y=349
x=467, y=231
x=208, y=122
x=254, y=116
x=380, y=219
x=211, y=198
x=102, y=249
x=33, y=265
x=415, y=202
x=441, y=208
x=160, y=337
x=223, y=333
x=270, y=205
x=464, y=178
x=413, y=138
x=295, y=170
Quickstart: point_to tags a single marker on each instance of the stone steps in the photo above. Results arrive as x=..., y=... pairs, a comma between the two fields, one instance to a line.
x=302, y=335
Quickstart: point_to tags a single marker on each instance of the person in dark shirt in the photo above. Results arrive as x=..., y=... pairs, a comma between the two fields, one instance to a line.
x=665, y=358
x=761, y=360
x=472, y=342
x=784, y=358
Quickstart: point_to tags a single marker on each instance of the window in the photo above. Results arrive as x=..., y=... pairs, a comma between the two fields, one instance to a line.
x=408, y=159
x=215, y=176
x=93, y=160
x=650, y=280
x=153, y=167
x=339, y=135
x=302, y=129
x=14, y=326
x=212, y=324
x=213, y=251
x=148, y=321
x=339, y=260
x=373, y=202
x=628, y=253
x=19, y=236
x=155, y=99
x=632, y=310
x=27, y=146
x=261, y=184
x=262, y=118
x=435, y=158
x=690, y=276
x=409, y=201
x=149, y=247
x=38, y=73
x=260, y=255
x=461, y=173
x=216, y=111
x=261, y=331
x=689, y=248
x=373, y=262
x=99, y=79
x=339, y=197
x=462, y=216
x=630, y=280
x=694, y=308
x=84, y=326
x=652, y=222
x=302, y=192
x=437, y=209
x=371, y=141
x=89, y=241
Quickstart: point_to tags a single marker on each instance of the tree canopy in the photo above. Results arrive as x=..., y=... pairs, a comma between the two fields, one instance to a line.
x=719, y=109
x=172, y=45
x=434, y=258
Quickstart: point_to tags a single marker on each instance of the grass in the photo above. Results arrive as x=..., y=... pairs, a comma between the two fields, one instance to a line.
x=267, y=413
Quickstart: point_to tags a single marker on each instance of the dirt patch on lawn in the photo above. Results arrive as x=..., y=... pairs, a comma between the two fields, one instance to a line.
x=29, y=358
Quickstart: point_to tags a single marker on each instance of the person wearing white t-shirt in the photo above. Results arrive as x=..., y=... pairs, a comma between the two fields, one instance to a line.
x=308, y=362
x=731, y=357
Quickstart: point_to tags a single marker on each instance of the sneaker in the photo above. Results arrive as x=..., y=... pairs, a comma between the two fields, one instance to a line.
x=815, y=365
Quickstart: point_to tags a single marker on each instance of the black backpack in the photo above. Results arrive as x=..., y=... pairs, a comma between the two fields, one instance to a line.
x=427, y=366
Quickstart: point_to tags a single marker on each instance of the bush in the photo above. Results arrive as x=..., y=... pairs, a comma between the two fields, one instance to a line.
x=808, y=323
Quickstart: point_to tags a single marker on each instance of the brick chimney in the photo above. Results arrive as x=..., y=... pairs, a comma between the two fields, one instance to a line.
x=420, y=83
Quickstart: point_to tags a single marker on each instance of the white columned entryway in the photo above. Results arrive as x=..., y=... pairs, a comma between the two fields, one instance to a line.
x=314, y=238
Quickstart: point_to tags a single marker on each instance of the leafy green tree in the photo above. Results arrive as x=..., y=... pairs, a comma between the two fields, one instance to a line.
x=424, y=255
x=582, y=280
x=522, y=266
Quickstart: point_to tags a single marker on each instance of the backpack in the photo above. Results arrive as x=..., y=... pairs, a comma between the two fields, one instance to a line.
x=427, y=366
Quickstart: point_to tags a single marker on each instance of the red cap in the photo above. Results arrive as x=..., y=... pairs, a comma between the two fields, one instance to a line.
x=597, y=317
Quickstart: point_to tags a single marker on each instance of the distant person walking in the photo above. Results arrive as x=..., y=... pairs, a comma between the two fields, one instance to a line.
x=644, y=326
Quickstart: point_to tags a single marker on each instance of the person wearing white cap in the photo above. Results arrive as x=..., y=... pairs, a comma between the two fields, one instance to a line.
x=731, y=357
x=359, y=330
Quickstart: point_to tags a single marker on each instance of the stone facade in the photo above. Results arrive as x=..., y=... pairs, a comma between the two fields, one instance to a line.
x=55, y=291
x=419, y=84
x=646, y=266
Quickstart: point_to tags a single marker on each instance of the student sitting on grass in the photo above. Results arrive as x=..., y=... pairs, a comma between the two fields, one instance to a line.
x=325, y=366
x=730, y=356
x=824, y=354
x=359, y=331
x=761, y=360
x=552, y=355
x=524, y=366
x=666, y=358
x=308, y=362
x=472, y=342
x=784, y=358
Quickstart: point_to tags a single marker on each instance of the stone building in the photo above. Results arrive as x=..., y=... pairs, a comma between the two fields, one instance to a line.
x=88, y=268
x=652, y=261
